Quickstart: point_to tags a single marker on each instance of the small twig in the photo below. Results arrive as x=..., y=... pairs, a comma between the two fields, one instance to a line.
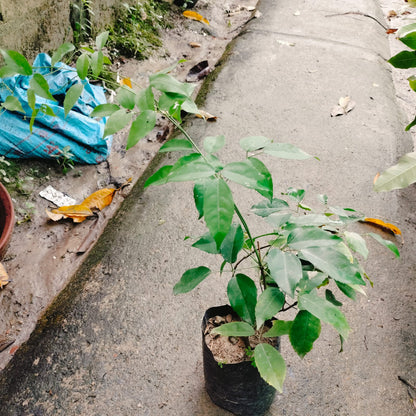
x=289, y=307
x=361, y=14
x=407, y=383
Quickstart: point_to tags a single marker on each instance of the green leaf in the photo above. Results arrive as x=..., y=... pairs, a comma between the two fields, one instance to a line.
x=386, y=243
x=101, y=39
x=40, y=86
x=71, y=97
x=82, y=65
x=141, y=127
x=206, y=243
x=398, y=176
x=403, y=60
x=45, y=109
x=330, y=261
x=191, y=167
x=304, y=332
x=412, y=85
x=35, y=112
x=410, y=125
x=126, y=97
x=268, y=305
x=145, y=99
x=267, y=177
x=271, y=365
x=31, y=98
x=356, y=243
x=160, y=177
x=16, y=63
x=285, y=270
x=190, y=279
x=166, y=83
x=244, y=173
x=198, y=191
x=279, y=328
x=325, y=311
x=5, y=72
x=116, y=122
x=347, y=290
x=309, y=284
x=176, y=145
x=301, y=238
x=214, y=143
x=104, y=110
x=330, y=297
x=218, y=209
x=12, y=103
x=277, y=219
x=267, y=207
x=409, y=40
x=406, y=29
x=253, y=143
x=189, y=106
x=286, y=151
x=234, y=329
x=242, y=294
x=61, y=52
x=233, y=243
x=97, y=62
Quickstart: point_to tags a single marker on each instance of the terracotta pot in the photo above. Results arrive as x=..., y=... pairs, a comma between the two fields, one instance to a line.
x=6, y=219
x=237, y=388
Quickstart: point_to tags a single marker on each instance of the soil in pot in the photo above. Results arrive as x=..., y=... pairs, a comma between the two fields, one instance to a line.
x=231, y=381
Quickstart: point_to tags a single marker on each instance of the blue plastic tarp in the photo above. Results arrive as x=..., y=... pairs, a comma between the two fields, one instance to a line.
x=83, y=134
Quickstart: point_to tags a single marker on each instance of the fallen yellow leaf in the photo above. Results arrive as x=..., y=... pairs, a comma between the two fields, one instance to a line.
x=383, y=225
x=77, y=213
x=100, y=199
x=4, y=277
x=126, y=82
x=195, y=16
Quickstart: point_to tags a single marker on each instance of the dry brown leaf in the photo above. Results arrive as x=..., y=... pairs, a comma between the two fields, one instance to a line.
x=4, y=277
x=99, y=199
x=194, y=44
x=344, y=106
x=391, y=13
x=206, y=116
x=390, y=31
x=195, y=16
x=77, y=213
x=383, y=225
x=126, y=82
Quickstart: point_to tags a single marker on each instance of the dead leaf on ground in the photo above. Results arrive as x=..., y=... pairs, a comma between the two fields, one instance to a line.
x=194, y=44
x=100, y=199
x=390, y=31
x=383, y=225
x=391, y=13
x=4, y=277
x=198, y=71
x=206, y=116
x=126, y=82
x=344, y=106
x=195, y=16
x=78, y=213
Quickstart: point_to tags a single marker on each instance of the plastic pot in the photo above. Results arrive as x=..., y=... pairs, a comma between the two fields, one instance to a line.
x=6, y=219
x=237, y=388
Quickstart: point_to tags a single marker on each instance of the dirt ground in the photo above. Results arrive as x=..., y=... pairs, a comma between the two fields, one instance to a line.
x=43, y=255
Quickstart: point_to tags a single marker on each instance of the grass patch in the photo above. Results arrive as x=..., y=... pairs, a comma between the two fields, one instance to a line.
x=135, y=33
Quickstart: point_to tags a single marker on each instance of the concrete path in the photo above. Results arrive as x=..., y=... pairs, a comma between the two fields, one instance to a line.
x=117, y=342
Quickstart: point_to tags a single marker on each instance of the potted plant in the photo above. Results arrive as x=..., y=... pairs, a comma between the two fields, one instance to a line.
x=298, y=265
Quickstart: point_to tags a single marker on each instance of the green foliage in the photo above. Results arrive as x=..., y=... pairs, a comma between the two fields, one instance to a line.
x=135, y=32
x=403, y=173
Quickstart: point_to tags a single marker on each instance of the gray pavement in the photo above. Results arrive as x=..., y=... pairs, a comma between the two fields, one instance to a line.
x=117, y=342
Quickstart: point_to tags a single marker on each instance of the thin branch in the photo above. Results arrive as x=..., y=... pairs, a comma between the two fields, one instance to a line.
x=359, y=13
